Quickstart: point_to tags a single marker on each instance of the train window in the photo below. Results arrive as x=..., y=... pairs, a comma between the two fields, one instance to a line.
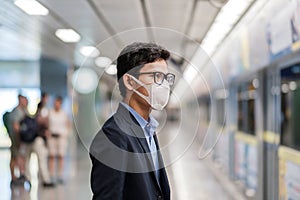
x=221, y=111
x=290, y=107
x=207, y=110
x=246, y=102
x=204, y=104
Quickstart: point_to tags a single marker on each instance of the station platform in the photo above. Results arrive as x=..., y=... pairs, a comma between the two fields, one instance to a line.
x=190, y=178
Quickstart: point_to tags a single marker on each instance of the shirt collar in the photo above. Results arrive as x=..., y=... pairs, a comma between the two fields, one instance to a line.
x=142, y=122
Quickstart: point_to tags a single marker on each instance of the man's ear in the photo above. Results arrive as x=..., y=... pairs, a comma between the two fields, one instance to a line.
x=128, y=82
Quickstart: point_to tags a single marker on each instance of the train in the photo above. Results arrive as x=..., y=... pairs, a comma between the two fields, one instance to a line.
x=248, y=94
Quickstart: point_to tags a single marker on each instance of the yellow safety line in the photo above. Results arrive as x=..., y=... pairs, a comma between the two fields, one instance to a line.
x=286, y=153
x=271, y=137
x=296, y=46
x=247, y=138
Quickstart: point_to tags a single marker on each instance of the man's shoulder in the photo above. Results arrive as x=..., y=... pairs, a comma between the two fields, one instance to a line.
x=109, y=138
x=111, y=130
x=17, y=114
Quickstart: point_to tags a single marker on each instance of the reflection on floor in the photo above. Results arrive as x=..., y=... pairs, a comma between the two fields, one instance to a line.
x=189, y=177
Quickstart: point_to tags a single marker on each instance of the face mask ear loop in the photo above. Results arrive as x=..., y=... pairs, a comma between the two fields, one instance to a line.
x=137, y=92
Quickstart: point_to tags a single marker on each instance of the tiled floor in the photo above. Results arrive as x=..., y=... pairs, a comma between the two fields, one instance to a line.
x=190, y=178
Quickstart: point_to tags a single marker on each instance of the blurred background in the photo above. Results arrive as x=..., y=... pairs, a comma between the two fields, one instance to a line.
x=230, y=130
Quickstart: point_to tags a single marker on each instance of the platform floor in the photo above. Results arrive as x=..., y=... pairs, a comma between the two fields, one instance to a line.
x=190, y=178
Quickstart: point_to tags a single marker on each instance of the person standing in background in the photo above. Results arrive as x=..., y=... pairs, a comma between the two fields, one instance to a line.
x=59, y=127
x=17, y=114
x=40, y=143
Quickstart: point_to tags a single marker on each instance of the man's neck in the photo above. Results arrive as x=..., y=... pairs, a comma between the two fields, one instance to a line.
x=142, y=110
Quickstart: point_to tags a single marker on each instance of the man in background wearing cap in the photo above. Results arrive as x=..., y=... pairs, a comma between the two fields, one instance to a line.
x=126, y=158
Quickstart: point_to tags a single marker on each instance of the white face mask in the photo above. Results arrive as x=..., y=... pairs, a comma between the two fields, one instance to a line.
x=158, y=94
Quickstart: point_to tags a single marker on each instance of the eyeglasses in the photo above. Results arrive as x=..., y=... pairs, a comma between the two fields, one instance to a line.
x=159, y=77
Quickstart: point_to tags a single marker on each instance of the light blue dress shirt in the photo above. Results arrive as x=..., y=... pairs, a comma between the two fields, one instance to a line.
x=149, y=128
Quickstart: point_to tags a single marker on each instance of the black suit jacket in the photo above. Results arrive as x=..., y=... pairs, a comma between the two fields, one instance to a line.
x=122, y=166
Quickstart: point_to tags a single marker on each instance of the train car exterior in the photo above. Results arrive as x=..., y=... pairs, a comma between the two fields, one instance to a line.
x=259, y=144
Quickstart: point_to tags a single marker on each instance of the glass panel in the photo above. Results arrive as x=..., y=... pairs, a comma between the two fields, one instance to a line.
x=246, y=103
x=290, y=107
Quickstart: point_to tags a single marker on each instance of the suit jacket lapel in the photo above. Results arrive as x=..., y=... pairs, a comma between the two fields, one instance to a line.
x=124, y=115
x=145, y=147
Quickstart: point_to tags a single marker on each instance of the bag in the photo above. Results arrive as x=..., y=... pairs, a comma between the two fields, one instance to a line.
x=6, y=121
x=28, y=129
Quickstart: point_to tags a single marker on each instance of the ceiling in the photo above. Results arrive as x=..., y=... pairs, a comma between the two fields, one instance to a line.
x=178, y=26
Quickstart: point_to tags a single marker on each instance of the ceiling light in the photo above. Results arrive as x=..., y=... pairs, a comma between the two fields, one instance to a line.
x=32, y=7
x=285, y=88
x=89, y=51
x=103, y=62
x=293, y=85
x=111, y=70
x=67, y=35
x=85, y=80
x=255, y=83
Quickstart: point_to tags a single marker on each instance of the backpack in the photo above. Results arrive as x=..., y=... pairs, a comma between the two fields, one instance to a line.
x=28, y=129
x=7, y=122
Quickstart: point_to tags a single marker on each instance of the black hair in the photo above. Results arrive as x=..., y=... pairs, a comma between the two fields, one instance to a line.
x=40, y=106
x=44, y=94
x=134, y=56
x=59, y=98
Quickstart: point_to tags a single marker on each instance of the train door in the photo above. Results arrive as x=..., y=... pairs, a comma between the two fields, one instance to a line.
x=289, y=149
x=231, y=118
x=248, y=149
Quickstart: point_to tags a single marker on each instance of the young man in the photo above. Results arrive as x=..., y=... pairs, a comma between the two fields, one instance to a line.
x=17, y=114
x=125, y=154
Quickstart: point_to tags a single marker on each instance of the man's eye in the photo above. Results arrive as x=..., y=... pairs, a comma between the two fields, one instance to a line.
x=159, y=76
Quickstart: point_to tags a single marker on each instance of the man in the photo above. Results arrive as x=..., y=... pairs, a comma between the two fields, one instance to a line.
x=17, y=148
x=127, y=163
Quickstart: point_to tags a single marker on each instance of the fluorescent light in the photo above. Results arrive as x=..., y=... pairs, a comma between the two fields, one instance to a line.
x=111, y=70
x=103, y=62
x=190, y=73
x=227, y=17
x=67, y=35
x=89, y=51
x=32, y=7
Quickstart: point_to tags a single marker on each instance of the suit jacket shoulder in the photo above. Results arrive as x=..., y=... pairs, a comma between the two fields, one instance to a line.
x=122, y=166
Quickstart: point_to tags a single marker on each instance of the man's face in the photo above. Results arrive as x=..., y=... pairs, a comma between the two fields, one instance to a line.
x=148, y=78
x=45, y=99
x=57, y=104
x=23, y=102
x=157, y=66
